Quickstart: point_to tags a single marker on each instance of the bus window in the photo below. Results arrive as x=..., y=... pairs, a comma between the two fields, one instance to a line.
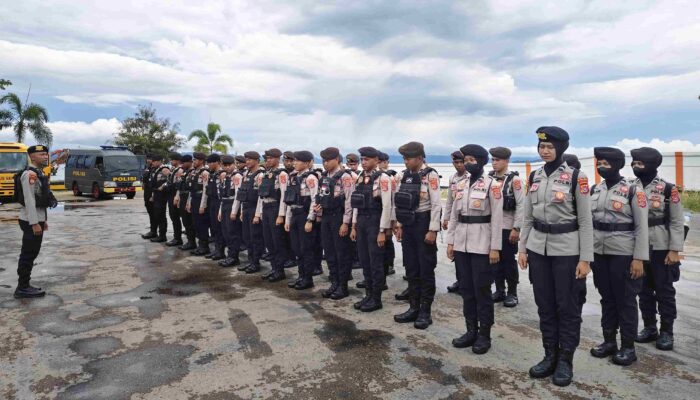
x=71, y=162
x=89, y=160
x=100, y=165
x=79, y=162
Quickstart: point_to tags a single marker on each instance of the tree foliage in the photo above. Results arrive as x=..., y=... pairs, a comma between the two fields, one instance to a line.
x=212, y=140
x=4, y=83
x=146, y=133
x=24, y=118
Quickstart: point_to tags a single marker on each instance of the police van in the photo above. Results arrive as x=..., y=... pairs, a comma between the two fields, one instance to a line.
x=105, y=171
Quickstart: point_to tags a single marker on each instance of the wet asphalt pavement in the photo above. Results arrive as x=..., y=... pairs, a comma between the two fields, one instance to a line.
x=128, y=319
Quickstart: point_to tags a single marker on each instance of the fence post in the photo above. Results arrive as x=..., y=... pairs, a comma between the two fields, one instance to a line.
x=528, y=169
x=679, y=169
x=595, y=171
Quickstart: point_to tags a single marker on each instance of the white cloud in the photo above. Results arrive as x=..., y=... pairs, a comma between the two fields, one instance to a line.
x=664, y=146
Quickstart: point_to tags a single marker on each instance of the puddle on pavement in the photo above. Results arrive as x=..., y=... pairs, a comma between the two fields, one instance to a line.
x=248, y=335
x=433, y=369
x=58, y=323
x=97, y=346
x=48, y=301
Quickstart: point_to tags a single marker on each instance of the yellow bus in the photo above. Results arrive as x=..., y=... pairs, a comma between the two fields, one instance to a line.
x=13, y=158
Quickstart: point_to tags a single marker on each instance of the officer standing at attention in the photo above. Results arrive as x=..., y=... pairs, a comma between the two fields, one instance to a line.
x=474, y=242
x=371, y=202
x=229, y=182
x=159, y=198
x=333, y=205
x=417, y=208
x=513, y=192
x=247, y=201
x=288, y=162
x=240, y=167
x=621, y=237
x=352, y=162
x=180, y=201
x=666, y=236
x=33, y=192
x=454, y=187
x=271, y=211
x=198, y=179
x=172, y=188
x=147, y=193
x=390, y=250
x=557, y=242
x=300, y=197
x=213, y=201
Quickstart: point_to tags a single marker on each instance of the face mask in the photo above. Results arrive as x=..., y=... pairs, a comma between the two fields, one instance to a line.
x=638, y=172
x=607, y=173
x=473, y=169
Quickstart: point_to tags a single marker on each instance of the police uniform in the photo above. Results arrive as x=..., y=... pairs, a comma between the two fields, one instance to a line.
x=173, y=211
x=231, y=229
x=316, y=234
x=291, y=257
x=557, y=233
x=621, y=235
x=473, y=233
x=513, y=192
x=213, y=204
x=335, y=189
x=353, y=161
x=417, y=208
x=666, y=235
x=200, y=218
x=159, y=181
x=572, y=161
x=300, y=197
x=147, y=194
x=371, y=202
x=247, y=201
x=389, y=248
x=271, y=207
x=34, y=195
x=452, y=191
x=182, y=194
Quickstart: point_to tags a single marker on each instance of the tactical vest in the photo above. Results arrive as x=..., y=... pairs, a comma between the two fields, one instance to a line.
x=326, y=192
x=292, y=196
x=195, y=185
x=43, y=199
x=184, y=185
x=212, y=188
x=267, y=186
x=157, y=178
x=146, y=180
x=363, y=197
x=407, y=199
x=509, y=203
x=224, y=189
x=623, y=219
x=247, y=192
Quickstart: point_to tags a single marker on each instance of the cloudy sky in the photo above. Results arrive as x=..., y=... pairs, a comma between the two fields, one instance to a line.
x=309, y=74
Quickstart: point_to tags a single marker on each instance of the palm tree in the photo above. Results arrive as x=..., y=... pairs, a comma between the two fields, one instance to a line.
x=212, y=140
x=25, y=118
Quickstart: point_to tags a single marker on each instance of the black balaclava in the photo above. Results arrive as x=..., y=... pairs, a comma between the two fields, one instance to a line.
x=559, y=138
x=482, y=158
x=616, y=159
x=652, y=160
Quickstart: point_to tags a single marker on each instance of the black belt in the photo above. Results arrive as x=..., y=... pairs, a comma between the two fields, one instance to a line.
x=275, y=203
x=657, y=222
x=555, y=228
x=609, y=227
x=299, y=210
x=369, y=211
x=227, y=201
x=474, y=219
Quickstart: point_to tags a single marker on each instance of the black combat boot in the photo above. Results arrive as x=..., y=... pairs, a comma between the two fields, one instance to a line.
x=498, y=296
x=609, y=345
x=453, y=288
x=410, y=315
x=202, y=250
x=149, y=235
x=564, y=372
x=361, y=285
x=665, y=340
x=229, y=262
x=290, y=264
x=277, y=276
x=292, y=284
x=188, y=246
x=218, y=253
x=341, y=291
x=403, y=296
x=468, y=339
x=626, y=356
x=175, y=242
x=548, y=364
x=375, y=301
x=511, y=299
x=649, y=333
x=483, y=340
x=306, y=283
x=424, y=319
x=326, y=294
x=389, y=268
x=28, y=292
x=317, y=271
x=252, y=268
x=358, y=305
x=159, y=239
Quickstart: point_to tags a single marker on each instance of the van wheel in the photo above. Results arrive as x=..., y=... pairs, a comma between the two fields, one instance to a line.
x=96, y=192
x=76, y=192
x=130, y=196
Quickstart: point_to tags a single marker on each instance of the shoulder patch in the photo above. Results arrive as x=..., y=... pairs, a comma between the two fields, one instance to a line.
x=283, y=179
x=496, y=189
x=583, y=185
x=311, y=182
x=641, y=199
x=347, y=181
x=237, y=180
x=434, y=184
x=384, y=184
x=517, y=184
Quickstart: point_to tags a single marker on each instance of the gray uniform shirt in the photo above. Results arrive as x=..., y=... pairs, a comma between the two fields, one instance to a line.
x=452, y=190
x=624, y=203
x=429, y=197
x=550, y=200
x=512, y=218
x=31, y=186
x=664, y=237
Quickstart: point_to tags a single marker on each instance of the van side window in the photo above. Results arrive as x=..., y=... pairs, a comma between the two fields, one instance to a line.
x=71, y=161
x=89, y=160
x=79, y=162
x=100, y=164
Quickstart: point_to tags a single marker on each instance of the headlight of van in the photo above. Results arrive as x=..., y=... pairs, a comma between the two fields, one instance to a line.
x=110, y=184
x=136, y=184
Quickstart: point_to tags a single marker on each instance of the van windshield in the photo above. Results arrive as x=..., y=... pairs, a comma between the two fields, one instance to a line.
x=13, y=162
x=122, y=164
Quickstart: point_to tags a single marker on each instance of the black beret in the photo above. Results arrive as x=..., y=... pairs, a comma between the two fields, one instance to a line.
x=149, y=156
x=412, y=149
x=199, y=156
x=186, y=158
x=330, y=153
x=289, y=155
x=503, y=153
x=368, y=152
x=649, y=156
x=227, y=159
x=457, y=155
x=156, y=157
x=253, y=155
x=610, y=154
x=383, y=156
x=176, y=156
x=352, y=158
x=240, y=158
x=37, y=149
x=572, y=160
x=274, y=153
x=552, y=134
x=475, y=151
x=213, y=158
x=303, y=156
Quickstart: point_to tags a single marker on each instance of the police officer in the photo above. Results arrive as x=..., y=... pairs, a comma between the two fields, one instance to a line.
x=417, y=209
x=213, y=202
x=300, y=197
x=352, y=162
x=572, y=161
x=557, y=242
x=474, y=242
x=390, y=250
x=271, y=212
x=198, y=179
x=288, y=162
x=333, y=204
x=172, y=188
x=229, y=181
x=159, y=198
x=621, y=237
x=247, y=201
x=513, y=192
x=34, y=195
x=459, y=176
x=147, y=193
x=371, y=202
x=666, y=236
x=240, y=167
x=180, y=201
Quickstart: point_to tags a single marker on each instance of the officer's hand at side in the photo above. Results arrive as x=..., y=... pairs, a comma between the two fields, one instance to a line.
x=514, y=236
x=201, y=210
x=398, y=232
x=672, y=258
x=317, y=208
x=46, y=225
x=636, y=269
x=445, y=223
x=583, y=269
x=381, y=239
x=308, y=226
x=176, y=202
x=218, y=217
x=233, y=216
x=36, y=228
x=256, y=220
x=353, y=234
x=451, y=251
x=494, y=257
x=188, y=208
x=280, y=221
x=343, y=231
x=430, y=237
x=522, y=261
x=286, y=227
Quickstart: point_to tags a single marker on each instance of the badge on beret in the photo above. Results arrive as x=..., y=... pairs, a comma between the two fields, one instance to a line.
x=641, y=200
x=559, y=196
x=434, y=183
x=476, y=204
x=617, y=205
x=385, y=185
x=516, y=184
x=675, y=196
x=541, y=135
